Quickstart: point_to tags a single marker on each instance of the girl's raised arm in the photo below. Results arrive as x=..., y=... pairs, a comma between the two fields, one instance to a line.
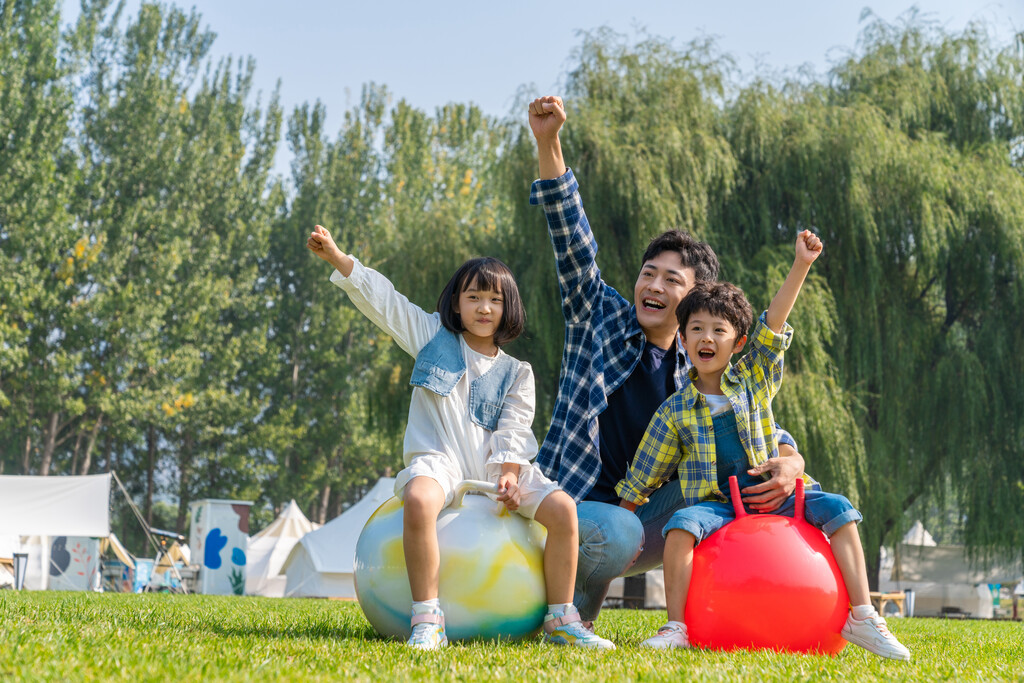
x=322, y=244
x=375, y=296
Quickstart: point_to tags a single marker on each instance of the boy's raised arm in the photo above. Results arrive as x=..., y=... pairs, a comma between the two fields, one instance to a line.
x=808, y=248
x=547, y=114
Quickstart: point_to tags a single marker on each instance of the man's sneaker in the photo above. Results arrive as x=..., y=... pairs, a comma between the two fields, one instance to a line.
x=567, y=629
x=672, y=634
x=428, y=631
x=873, y=635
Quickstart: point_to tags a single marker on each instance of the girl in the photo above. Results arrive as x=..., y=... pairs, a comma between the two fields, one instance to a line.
x=470, y=416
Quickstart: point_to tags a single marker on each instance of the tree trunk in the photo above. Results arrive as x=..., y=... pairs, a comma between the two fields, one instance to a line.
x=74, y=453
x=90, y=444
x=321, y=510
x=184, y=470
x=25, y=454
x=874, y=562
x=49, y=444
x=150, y=467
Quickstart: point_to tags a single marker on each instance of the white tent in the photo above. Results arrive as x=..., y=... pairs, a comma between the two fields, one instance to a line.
x=55, y=506
x=268, y=550
x=321, y=563
x=57, y=521
x=941, y=576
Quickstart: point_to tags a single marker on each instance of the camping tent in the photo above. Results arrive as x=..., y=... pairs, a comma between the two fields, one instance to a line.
x=269, y=549
x=55, y=506
x=58, y=522
x=942, y=577
x=321, y=563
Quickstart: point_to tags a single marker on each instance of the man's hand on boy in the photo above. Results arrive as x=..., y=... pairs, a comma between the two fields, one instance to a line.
x=508, y=490
x=770, y=495
x=808, y=247
x=547, y=114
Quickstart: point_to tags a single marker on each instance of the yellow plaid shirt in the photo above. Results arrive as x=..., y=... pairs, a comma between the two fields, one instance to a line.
x=680, y=435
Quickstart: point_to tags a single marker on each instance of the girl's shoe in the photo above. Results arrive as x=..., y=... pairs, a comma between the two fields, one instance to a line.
x=428, y=631
x=873, y=635
x=672, y=634
x=567, y=629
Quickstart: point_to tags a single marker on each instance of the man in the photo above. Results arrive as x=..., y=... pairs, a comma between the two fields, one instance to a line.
x=621, y=360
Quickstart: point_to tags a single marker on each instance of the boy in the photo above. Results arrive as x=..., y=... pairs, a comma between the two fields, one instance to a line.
x=720, y=424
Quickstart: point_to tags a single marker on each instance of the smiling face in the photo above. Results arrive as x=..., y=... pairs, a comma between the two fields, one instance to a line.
x=710, y=341
x=480, y=311
x=661, y=285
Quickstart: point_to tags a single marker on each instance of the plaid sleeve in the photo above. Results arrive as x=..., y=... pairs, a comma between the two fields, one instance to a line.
x=579, y=278
x=767, y=350
x=659, y=452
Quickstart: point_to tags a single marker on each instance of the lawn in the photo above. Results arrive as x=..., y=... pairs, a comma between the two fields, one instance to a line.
x=83, y=636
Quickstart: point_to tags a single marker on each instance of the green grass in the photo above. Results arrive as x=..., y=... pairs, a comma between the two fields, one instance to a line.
x=84, y=636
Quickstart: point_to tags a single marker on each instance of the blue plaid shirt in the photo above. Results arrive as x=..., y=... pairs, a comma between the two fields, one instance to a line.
x=603, y=342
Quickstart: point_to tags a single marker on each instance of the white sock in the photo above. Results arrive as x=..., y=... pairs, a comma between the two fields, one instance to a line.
x=426, y=606
x=862, y=612
x=676, y=623
x=561, y=608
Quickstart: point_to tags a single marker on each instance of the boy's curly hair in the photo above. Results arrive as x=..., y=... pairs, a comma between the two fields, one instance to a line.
x=720, y=299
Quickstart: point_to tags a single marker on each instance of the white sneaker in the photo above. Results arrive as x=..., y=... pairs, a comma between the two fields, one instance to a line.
x=672, y=634
x=428, y=631
x=873, y=635
x=567, y=629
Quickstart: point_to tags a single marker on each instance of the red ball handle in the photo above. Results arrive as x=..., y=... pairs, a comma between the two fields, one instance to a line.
x=798, y=504
x=734, y=493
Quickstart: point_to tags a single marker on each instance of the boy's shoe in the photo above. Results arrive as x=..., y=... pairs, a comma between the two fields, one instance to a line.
x=567, y=629
x=428, y=631
x=873, y=635
x=672, y=634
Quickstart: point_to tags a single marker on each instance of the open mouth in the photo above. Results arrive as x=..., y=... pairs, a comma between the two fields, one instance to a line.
x=706, y=354
x=653, y=303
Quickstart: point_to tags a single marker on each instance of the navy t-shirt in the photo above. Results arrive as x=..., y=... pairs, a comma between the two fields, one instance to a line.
x=630, y=409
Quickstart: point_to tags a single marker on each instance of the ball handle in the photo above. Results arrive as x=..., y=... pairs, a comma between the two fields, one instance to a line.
x=471, y=486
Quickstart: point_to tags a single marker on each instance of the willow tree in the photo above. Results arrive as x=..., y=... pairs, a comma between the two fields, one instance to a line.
x=934, y=339
x=908, y=162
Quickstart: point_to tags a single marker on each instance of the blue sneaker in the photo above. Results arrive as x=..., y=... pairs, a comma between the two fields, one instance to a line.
x=567, y=629
x=428, y=631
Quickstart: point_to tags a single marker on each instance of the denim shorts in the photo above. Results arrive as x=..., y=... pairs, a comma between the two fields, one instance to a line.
x=825, y=511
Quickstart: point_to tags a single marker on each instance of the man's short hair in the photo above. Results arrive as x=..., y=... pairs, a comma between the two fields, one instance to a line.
x=697, y=255
x=721, y=299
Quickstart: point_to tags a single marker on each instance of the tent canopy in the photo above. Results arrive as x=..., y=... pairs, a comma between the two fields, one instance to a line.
x=268, y=550
x=321, y=563
x=948, y=564
x=55, y=506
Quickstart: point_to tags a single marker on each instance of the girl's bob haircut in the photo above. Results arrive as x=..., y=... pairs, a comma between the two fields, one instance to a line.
x=486, y=273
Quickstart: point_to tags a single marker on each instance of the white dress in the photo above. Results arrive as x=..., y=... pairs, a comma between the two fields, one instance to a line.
x=441, y=441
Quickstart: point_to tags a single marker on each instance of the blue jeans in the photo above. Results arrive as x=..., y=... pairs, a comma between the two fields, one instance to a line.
x=616, y=542
x=825, y=511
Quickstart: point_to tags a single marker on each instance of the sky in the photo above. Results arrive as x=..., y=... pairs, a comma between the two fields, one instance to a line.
x=488, y=51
